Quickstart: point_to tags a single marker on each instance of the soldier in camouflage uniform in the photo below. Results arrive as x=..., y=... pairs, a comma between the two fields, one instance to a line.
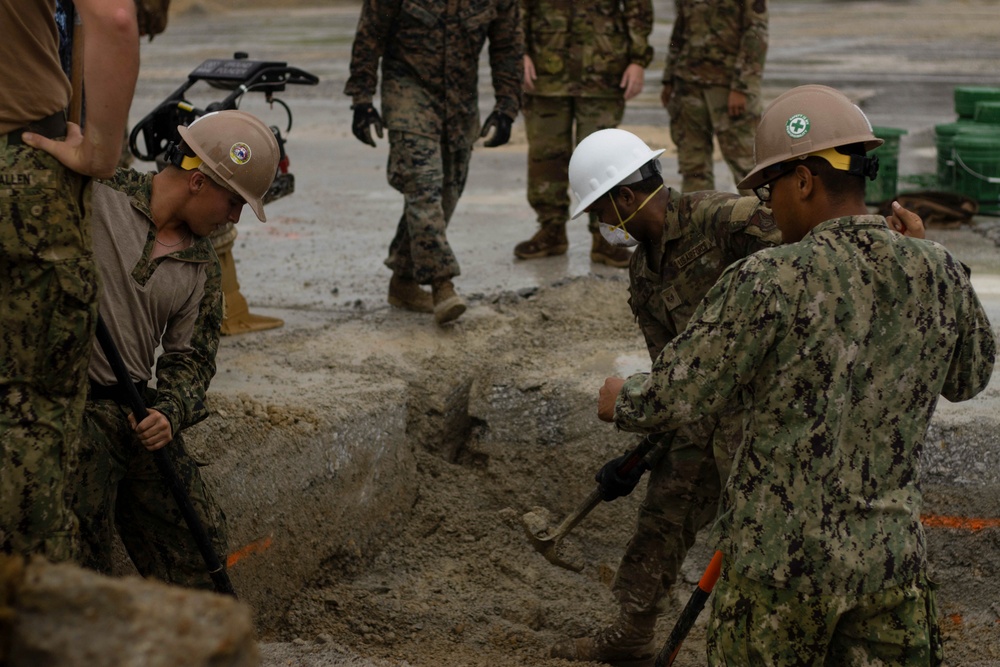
x=163, y=287
x=582, y=62
x=684, y=244
x=711, y=85
x=48, y=294
x=430, y=68
x=838, y=345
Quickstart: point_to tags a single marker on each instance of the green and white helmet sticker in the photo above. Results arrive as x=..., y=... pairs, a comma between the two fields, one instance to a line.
x=797, y=126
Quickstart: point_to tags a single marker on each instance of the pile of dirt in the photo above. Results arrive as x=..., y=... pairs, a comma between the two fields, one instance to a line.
x=456, y=581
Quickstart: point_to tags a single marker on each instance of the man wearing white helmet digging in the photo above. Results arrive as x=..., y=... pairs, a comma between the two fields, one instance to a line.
x=161, y=286
x=837, y=344
x=683, y=244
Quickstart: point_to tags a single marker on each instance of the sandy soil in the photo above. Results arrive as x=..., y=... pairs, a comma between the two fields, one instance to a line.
x=454, y=581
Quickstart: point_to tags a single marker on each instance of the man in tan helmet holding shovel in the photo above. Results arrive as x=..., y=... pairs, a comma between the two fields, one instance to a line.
x=683, y=244
x=838, y=343
x=162, y=286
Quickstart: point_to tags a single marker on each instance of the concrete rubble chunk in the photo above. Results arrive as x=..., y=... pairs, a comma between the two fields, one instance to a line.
x=61, y=615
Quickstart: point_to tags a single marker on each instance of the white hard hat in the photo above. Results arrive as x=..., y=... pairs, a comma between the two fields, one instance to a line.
x=603, y=160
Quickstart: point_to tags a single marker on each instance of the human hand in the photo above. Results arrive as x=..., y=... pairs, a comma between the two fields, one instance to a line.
x=632, y=80
x=666, y=93
x=365, y=116
x=529, y=74
x=905, y=221
x=154, y=431
x=500, y=123
x=616, y=484
x=607, y=397
x=79, y=152
x=737, y=103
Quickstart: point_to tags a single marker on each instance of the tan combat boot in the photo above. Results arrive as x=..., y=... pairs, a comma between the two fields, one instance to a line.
x=602, y=252
x=448, y=305
x=627, y=642
x=549, y=240
x=407, y=294
x=237, y=318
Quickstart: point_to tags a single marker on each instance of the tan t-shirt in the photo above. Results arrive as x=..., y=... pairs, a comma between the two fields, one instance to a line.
x=32, y=82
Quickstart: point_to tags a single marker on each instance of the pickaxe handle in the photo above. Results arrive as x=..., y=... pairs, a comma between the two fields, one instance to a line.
x=686, y=620
x=215, y=568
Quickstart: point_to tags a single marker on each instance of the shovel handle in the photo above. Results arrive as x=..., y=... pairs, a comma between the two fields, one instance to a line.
x=686, y=620
x=636, y=456
x=215, y=568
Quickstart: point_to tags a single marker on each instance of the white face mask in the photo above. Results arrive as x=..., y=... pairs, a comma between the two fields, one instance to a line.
x=617, y=235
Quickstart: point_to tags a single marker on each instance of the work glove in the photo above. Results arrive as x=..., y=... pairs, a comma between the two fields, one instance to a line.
x=365, y=116
x=500, y=122
x=614, y=485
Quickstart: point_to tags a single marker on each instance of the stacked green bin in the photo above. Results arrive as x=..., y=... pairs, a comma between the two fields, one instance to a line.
x=884, y=186
x=976, y=158
x=966, y=98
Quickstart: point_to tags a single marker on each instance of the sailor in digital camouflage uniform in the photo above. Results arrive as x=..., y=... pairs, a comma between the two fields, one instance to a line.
x=48, y=289
x=162, y=287
x=684, y=244
x=838, y=344
x=712, y=85
x=430, y=69
x=582, y=62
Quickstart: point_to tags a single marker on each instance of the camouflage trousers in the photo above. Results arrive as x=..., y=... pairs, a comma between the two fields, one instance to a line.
x=431, y=176
x=118, y=486
x=555, y=125
x=48, y=314
x=756, y=624
x=696, y=115
x=682, y=497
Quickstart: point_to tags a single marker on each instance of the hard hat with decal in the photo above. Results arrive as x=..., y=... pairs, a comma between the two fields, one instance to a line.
x=804, y=121
x=237, y=151
x=604, y=159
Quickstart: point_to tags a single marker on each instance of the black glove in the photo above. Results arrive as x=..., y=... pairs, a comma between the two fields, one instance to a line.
x=500, y=122
x=614, y=485
x=365, y=116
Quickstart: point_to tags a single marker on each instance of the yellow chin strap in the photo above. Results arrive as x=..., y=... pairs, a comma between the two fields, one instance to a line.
x=621, y=223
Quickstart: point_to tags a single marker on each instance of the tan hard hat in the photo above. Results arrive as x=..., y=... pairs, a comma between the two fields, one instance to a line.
x=803, y=121
x=238, y=151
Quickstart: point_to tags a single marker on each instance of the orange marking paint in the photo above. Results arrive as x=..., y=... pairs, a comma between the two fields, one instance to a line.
x=959, y=522
x=257, y=546
x=956, y=619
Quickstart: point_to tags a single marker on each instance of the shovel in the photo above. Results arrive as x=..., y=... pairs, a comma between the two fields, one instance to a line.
x=215, y=568
x=686, y=620
x=546, y=540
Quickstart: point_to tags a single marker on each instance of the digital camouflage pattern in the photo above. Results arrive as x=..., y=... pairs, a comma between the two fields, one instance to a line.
x=431, y=179
x=698, y=112
x=703, y=233
x=182, y=375
x=754, y=624
x=838, y=346
x=118, y=484
x=48, y=297
x=120, y=487
x=716, y=46
x=582, y=50
x=429, y=51
x=549, y=123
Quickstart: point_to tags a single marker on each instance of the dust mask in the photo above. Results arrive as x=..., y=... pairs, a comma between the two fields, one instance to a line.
x=617, y=236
